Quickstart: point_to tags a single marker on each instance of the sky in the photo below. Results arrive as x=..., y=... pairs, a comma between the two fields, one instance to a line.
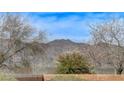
x=68, y=25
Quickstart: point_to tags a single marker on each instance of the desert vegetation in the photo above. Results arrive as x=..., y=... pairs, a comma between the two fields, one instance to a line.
x=66, y=78
x=73, y=63
x=18, y=45
x=110, y=34
x=24, y=52
x=7, y=77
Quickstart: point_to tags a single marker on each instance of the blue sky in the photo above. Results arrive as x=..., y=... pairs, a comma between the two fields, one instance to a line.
x=68, y=25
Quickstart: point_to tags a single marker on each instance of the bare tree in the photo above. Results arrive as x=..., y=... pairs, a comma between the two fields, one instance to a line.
x=18, y=43
x=110, y=34
x=93, y=52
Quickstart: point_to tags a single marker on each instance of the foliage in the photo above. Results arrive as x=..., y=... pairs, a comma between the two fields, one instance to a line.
x=73, y=63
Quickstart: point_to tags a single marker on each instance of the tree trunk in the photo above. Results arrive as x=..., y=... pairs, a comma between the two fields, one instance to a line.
x=119, y=71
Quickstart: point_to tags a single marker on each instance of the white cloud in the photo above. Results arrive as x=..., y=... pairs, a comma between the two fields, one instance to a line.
x=73, y=27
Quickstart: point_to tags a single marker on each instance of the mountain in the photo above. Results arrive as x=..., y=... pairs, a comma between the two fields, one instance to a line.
x=60, y=46
x=54, y=48
x=47, y=61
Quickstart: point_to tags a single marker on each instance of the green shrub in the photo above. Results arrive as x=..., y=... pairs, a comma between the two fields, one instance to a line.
x=73, y=63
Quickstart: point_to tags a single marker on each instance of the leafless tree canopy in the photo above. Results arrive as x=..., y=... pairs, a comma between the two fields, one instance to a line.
x=110, y=34
x=17, y=40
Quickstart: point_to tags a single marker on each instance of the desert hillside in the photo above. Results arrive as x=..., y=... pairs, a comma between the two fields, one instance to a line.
x=47, y=63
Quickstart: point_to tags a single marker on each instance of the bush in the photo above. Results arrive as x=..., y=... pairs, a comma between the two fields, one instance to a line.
x=73, y=63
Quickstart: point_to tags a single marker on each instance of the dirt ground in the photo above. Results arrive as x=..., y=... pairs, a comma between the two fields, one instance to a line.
x=82, y=77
